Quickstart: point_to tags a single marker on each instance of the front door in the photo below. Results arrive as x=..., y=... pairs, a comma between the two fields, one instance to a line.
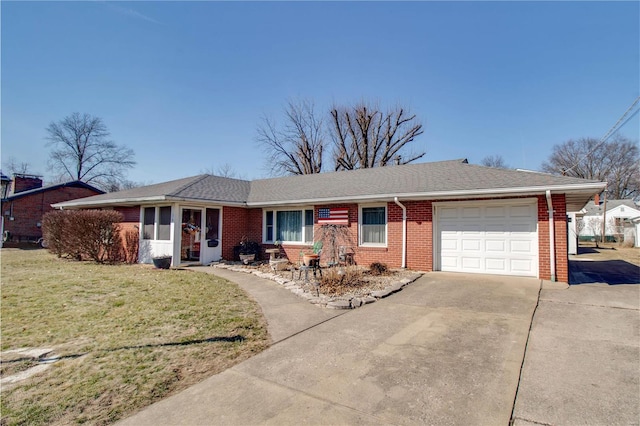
x=191, y=237
x=212, y=243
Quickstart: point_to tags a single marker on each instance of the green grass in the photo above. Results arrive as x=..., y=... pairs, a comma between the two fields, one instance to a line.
x=128, y=334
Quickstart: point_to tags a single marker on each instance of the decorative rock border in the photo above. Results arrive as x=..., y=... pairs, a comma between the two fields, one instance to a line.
x=337, y=302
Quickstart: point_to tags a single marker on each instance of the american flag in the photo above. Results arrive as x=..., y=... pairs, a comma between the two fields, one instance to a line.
x=334, y=216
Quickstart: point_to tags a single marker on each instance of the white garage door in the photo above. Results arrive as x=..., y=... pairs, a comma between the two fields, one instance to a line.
x=488, y=237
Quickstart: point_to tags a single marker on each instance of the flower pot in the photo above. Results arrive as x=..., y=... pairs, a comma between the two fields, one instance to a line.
x=246, y=258
x=308, y=259
x=162, y=262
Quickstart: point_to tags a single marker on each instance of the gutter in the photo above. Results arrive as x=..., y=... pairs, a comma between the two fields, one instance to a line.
x=552, y=238
x=404, y=232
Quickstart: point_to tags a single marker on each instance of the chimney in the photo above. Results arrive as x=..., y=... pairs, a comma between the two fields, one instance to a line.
x=22, y=182
x=596, y=200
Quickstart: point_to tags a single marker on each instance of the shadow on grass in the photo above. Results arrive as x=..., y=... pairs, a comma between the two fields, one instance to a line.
x=236, y=338
x=230, y=339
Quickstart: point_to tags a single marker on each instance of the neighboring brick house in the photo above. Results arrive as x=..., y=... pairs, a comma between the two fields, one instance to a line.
x=27, y=201
x=443, y=216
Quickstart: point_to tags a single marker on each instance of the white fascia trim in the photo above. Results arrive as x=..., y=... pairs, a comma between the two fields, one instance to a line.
x=533, y=190
x=142, y=200
x=121, y=201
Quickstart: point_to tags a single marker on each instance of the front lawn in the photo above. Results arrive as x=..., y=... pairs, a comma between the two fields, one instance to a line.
x=127, y=335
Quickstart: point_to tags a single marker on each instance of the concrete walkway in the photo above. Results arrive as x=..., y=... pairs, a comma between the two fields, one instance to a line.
x=582, y=364
x=447, y=349
x=286, y=313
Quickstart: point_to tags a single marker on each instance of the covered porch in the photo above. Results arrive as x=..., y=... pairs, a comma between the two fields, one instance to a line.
x=188, y=233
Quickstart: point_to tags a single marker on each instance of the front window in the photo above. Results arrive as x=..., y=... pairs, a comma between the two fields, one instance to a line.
x=148, y=227
x=164, y=224
x=288, y=226
x=373, y=225
x=160, y=216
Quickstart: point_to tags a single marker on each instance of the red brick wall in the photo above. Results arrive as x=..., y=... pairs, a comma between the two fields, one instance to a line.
x=560, y=230
x=29, y=209
x=238, y=222
x=235, y=223
x=130, y=225
x=130, y=214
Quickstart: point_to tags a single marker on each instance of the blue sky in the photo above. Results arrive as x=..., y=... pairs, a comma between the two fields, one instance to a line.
x=185, y=85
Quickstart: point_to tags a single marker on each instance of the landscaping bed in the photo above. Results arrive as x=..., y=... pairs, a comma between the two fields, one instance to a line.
x=340, y=287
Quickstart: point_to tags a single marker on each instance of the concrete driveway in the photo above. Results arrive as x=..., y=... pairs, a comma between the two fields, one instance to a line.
x=447, y=349
x=582, y=364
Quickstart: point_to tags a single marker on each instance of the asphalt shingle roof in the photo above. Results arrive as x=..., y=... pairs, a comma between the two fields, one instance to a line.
x=73, y=184
x=591, y=209
x=427, y=179
x=442, y=176
x=201, y=187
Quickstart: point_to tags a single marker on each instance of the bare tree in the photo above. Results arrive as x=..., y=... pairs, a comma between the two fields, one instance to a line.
x=365, y=137
x=495, y=161
x=122, y=185
x=12, y=166
x=82, y=151
x=616, y=161
x=595, y=226
x=296, y=148
x=225, y=170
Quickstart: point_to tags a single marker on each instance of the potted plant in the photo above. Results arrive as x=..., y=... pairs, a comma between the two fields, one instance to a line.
x=248, y=250
x=162, y=262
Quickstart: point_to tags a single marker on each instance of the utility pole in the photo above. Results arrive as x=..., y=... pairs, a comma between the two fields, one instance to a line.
x=604, y=216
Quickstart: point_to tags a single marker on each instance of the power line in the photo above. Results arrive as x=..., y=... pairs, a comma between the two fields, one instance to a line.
x=607, y=135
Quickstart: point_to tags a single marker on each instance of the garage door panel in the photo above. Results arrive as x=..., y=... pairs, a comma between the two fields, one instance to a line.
x=495, y=265
x=450, y=262
x=521, y=246
x=450, y=245
x=520, y=211
x=471, y=245
x=448, y=212
x=495, y=238
x=471, y=212
x=521, y=227
x=471, y=264
x=523, y=266
x=495, y=212
x=495, y=246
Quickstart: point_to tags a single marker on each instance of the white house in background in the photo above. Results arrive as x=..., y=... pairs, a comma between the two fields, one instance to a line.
x=636, y=224
x=618, y=218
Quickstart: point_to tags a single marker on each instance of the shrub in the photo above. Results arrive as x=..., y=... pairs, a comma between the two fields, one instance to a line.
x=130, y=245
x=377, y=268
x=53, y=231
x=94, y=234
x=336, y=281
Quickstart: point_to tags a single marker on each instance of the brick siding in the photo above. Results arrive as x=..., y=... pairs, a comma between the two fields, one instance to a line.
x=238, y=222
x=27, y=211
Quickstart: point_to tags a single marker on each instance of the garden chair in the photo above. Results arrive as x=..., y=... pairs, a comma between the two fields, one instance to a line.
x=314, y=264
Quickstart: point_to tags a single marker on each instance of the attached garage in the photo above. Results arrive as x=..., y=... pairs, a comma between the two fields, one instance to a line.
x=487, y=237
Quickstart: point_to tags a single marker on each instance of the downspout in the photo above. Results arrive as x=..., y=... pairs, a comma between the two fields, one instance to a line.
x=552, y=238
x=404, y=232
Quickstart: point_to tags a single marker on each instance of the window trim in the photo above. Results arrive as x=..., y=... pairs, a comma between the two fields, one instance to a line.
x=386, y=225
x=274, y=225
